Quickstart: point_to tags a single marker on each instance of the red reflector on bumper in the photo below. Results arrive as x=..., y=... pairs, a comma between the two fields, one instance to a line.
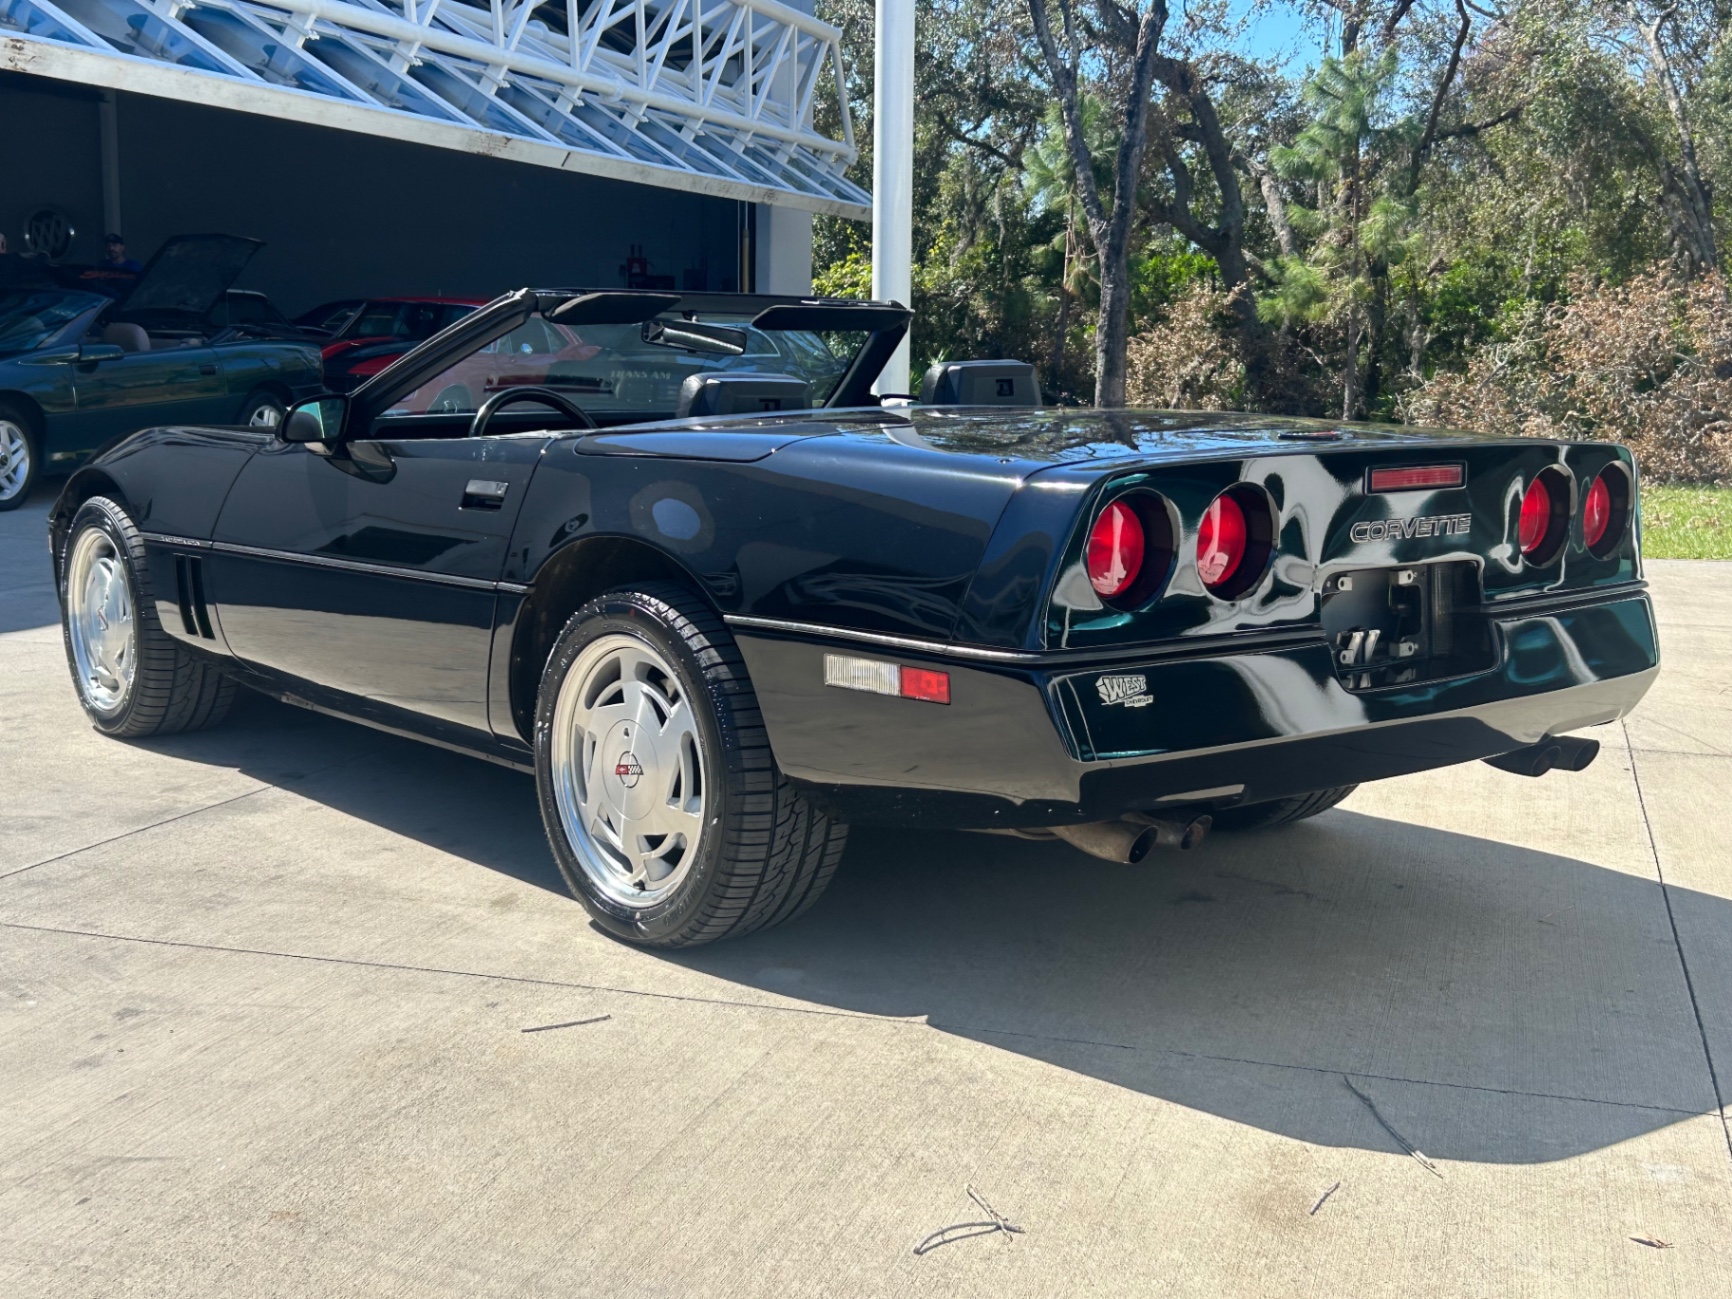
x=923, y=683
x=1406, y=480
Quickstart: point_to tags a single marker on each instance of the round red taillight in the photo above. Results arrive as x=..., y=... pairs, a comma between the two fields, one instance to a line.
x=1115, y=550
x=1221, y=542
x=1596, y=513
x=1536, y=520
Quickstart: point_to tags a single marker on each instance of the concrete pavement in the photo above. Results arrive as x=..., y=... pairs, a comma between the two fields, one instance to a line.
x=263, y=993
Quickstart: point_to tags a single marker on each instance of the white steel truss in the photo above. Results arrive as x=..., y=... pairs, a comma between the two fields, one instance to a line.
x=717, y=96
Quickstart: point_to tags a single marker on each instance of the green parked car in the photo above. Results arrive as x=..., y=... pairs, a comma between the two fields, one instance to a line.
x=78, y=369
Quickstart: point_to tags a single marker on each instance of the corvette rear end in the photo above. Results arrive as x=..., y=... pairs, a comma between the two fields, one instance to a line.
x=1240, y=619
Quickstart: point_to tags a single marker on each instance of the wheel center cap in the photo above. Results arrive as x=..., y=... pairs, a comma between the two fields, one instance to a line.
x=628, y=763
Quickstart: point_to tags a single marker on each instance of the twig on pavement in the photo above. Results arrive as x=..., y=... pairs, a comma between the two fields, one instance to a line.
x=966, y=1230
x=576, y=1023
x=1322, y=1198
x=1400, y=1140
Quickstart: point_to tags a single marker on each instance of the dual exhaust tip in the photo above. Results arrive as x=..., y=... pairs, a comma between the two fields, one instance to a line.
x=1134, y=838
x=1554, y=753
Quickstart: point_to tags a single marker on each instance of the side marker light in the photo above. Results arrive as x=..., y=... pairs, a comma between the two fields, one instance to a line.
x=874, y=676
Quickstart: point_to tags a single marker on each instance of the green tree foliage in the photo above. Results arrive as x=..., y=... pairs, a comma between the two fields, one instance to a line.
x=1336, y=234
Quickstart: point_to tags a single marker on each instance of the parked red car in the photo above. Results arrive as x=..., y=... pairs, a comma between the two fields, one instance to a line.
x=364, y=335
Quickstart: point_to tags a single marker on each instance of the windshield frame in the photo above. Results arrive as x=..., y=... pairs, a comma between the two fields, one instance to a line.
x=76, y=324
x=884, y=324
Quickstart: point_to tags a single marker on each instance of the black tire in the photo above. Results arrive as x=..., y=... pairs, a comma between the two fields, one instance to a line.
x=1280, y=811
x=19, y=435
x=262, y=409
x=172, y=688
x=766, y=852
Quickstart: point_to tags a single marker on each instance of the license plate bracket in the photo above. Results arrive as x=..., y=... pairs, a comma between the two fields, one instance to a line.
x=1404, y=624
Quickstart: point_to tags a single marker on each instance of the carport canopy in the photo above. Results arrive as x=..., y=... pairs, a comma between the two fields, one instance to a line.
x=716, y=97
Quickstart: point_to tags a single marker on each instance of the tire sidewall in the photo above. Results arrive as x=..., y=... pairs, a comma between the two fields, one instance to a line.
x=635, y=614
x=32, y=448
x=104, y=515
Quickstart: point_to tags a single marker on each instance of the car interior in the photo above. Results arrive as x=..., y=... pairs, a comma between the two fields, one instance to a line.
x=558, y=371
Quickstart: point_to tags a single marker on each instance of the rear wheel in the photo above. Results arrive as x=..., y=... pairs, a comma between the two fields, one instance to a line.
x=262, y=409
x=1281, y=811
x=665, y=809
x=20, y=455
x=132, y=678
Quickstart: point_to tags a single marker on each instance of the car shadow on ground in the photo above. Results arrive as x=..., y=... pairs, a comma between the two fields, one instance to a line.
x=1494, y=1002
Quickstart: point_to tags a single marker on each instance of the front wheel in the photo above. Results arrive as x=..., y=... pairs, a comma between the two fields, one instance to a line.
x=664, y=806
x=132, y=677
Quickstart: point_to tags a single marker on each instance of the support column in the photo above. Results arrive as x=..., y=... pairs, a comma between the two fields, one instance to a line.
x=893, y=171
x=784, y=261
x=108, y=118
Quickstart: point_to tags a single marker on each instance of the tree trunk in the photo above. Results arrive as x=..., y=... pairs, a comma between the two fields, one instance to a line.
x=1112, y=331
x=1110, y=232
x=1697, y=207
x=1064, y=292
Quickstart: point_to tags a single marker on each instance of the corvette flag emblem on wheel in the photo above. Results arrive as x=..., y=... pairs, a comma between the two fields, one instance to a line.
x=1129, y=689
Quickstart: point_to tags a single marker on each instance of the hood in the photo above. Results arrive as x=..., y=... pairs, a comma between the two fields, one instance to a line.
x=1079, y=436
x=188, y=276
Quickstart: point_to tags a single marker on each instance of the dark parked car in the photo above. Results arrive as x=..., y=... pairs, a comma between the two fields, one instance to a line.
x=78, y=369
x=721, y=613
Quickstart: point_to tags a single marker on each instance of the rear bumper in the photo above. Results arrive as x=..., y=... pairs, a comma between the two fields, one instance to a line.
x=1035, y=740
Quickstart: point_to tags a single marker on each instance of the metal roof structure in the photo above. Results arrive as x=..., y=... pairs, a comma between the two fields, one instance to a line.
x=712, y=96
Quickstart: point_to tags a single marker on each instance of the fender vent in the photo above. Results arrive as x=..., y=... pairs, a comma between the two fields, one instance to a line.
x=189, y=587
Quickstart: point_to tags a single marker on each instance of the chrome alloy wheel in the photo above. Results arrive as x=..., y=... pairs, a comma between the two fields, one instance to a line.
x=266, y=414
x=99, y=620
x=628, y=769
x=14, y=459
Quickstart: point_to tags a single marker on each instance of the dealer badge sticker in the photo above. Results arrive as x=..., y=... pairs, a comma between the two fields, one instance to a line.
x=1130, y=689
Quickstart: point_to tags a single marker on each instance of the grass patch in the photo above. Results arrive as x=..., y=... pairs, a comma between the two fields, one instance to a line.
x=1687, y=522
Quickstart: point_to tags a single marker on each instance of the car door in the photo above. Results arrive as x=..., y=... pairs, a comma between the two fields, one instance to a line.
x=369, y=577
x=121, y=394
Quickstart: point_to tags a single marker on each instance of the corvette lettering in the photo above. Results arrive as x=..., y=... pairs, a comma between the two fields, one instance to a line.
x=1430, y=525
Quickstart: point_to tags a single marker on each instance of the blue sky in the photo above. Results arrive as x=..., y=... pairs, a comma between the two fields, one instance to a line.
x=1281, y=32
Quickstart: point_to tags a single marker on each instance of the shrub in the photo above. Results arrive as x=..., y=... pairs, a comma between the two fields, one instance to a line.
x=1647, y=363
x=1188, y=360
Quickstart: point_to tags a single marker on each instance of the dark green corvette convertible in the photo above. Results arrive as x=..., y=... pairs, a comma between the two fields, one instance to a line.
x=78, y=369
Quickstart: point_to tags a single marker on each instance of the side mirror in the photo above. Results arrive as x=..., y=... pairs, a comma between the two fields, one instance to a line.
x=317, y=420
x=90, y=353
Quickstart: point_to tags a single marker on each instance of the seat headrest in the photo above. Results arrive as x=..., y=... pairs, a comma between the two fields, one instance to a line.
x=127, y=336
x=980, y=383
x=742, y=394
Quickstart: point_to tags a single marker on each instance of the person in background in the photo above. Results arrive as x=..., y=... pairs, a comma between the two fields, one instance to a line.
x=116, y=272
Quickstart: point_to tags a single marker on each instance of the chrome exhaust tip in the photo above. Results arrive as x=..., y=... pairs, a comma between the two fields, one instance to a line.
x=1128, y=841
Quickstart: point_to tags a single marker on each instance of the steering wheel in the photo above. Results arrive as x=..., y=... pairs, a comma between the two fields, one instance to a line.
x=546, y=396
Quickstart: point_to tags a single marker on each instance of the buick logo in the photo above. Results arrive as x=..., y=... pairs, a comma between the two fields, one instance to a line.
x=1429, y=525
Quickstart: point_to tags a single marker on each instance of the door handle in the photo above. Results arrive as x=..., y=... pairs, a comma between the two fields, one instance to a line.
x=207, y=367
x=484, y=494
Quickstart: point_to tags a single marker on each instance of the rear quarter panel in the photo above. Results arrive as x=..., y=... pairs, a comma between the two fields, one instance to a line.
x=851, y=531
